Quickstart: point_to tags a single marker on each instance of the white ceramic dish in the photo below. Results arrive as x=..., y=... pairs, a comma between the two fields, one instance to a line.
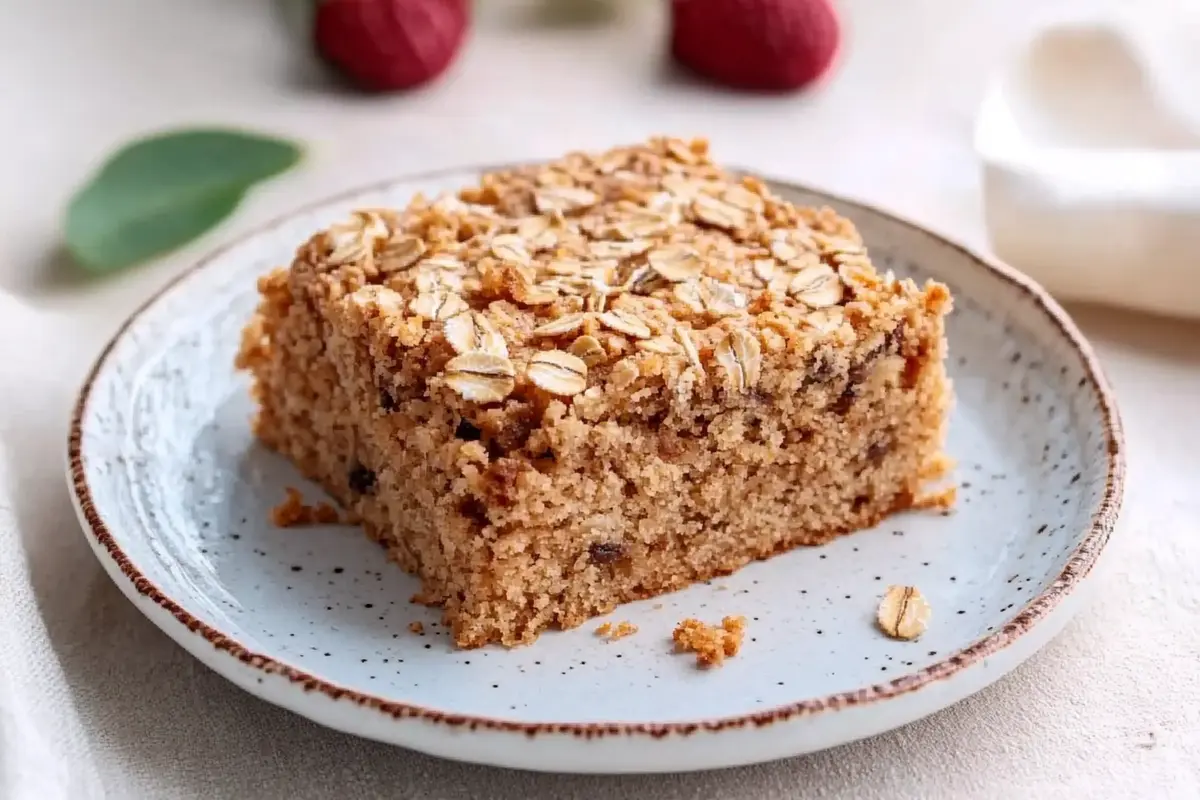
x=174, y=493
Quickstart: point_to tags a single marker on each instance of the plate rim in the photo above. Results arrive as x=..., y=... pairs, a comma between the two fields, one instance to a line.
x=1075, y=570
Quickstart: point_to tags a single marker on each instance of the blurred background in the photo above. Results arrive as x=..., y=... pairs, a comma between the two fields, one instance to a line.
x=891, y=122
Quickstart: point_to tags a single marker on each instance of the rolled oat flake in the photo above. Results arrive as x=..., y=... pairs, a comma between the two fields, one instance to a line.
x=558, y=372
x=904, y=612
x=481, y=377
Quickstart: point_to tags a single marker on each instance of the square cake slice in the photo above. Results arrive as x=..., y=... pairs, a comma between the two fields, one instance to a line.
x=597, y=380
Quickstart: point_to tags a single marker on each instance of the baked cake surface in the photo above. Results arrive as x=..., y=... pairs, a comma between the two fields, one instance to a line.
x=597, y=380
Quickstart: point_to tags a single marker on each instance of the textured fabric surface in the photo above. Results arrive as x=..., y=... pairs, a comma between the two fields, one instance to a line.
x=96, y=702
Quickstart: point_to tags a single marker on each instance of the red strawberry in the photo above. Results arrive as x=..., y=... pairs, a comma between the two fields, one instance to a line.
x=391, y=44
x=771, y=45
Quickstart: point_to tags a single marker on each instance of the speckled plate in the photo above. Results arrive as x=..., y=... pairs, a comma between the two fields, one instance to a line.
x=174, y=494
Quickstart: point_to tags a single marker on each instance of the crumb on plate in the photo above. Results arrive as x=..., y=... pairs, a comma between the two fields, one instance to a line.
x=941, y=500
x=619, y=631
x=712, y=644
x=293, y=512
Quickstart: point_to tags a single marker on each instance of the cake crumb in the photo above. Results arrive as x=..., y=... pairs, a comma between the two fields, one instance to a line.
x=657, y=606
x=618, y=631
x=938, y=466
x=416, y=627
x=711, y=644
x=423, y=598
x=293, y=512
x=942, y=500
x=624, y=629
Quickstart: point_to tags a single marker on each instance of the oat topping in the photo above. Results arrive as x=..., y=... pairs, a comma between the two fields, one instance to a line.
x=741, y=356
x=563, y=199
x=825, y=320
x=637, y=222
x=558, y=372
x=676, y=262
x=429, y=281
x=718, y=213
x=763, y=269
x=442, y=263
x=438, y=304
x=379, y=299
x=689, y=349
x=904, y=612
x=568, y=323
x=685, y=152
x=400, y=253
x=604, y=249
x=471, y=331
x=588, y=349
x=743, y=198
x=709, y=296
x=482, y=377
x=624, y=372
x=532, y=294
x=563, y=268
x=816, y=286
x=624, y=322
x=784, y=251
x=439, y=272
x=357, y=238
x=511, y=248
x=540, y=233
x=620, y=251
x=663, y=345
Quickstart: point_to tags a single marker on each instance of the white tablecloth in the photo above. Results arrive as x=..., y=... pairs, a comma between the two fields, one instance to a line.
x=95, y=701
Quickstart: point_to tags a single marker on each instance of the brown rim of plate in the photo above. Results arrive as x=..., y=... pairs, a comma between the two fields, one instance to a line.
x=1076, y=569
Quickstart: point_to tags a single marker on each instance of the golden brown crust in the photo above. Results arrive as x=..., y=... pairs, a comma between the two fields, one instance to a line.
x=540, y=452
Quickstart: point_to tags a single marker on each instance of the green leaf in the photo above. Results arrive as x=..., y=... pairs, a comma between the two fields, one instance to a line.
x=159, y=193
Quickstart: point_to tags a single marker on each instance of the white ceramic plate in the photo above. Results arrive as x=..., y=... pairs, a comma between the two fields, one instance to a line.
x=174, y=494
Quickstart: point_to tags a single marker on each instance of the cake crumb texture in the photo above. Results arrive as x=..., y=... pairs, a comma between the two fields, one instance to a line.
x=583, y=383
x=293, y=512
x=712, y=644
x=940, y=500
x=613, y=632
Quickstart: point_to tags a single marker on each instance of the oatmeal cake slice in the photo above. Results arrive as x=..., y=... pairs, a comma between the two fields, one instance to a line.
x=597, y=380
